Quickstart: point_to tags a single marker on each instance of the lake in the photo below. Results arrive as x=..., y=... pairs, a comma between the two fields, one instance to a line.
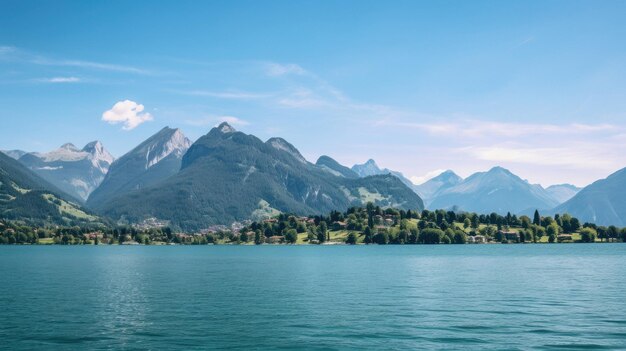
x=514, y=297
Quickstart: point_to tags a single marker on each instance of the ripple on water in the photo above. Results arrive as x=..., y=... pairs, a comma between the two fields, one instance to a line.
x=364, y=298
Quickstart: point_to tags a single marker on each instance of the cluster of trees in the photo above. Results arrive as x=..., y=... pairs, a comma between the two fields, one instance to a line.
x=13, y=233
x=374, y=225
x=370, y=225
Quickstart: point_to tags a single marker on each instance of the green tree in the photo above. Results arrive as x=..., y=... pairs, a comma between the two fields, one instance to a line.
x=553, y=231
x=244, y=236
x=258, y=237
x=525, y=222
x=322, y=229
x=460, y=237
x=467, y=223
x=475, y=221
x=537, y=218
x=381, y=238
x=612, y=233
x=368, y=235
x=622, y=234
x=351, y=239
x=430, y=236
x=291, y=236
x=588, y=235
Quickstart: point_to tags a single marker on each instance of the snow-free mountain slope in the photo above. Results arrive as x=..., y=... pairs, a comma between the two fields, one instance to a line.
x=563, y=192
x=330, y=165
x=603, y=202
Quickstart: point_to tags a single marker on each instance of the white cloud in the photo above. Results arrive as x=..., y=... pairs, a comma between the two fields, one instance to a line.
x=277, y=69
x=60, y=80
x=127, y=112
x=417, y=180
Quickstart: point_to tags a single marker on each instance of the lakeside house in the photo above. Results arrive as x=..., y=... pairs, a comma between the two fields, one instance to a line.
x=477, y=239
x=338, y=225
x=510, y=235
x=94, y=235
x=565, y=238
x=275, y=239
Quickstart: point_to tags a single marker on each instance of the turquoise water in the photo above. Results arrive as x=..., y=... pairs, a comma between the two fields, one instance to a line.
x=309, y=297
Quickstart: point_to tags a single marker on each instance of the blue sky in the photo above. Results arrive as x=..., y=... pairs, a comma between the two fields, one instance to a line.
x=534, y=86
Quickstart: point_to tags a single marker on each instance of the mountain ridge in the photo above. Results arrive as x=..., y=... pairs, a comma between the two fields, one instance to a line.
x=153, y=160
x=228, y=176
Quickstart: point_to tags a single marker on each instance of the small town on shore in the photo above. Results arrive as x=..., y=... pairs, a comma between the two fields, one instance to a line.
x=358, y=225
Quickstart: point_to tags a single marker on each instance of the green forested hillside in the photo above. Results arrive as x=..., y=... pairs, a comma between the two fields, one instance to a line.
x=27, y=198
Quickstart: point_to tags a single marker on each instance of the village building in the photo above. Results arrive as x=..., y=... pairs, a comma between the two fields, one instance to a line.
x=565, y=238
x=510, y=235
x=275, y=239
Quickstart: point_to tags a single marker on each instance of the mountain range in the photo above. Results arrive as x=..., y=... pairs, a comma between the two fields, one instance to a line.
x=497, y=190
x=227, y=176
x=77, y=172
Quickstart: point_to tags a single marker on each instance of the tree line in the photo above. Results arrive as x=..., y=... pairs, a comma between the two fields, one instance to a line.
x=369, y=224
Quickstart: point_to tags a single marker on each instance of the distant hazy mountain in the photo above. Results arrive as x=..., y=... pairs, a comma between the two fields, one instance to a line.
x=497, y=190
x=75, y=171
x=334, y=167
x=25, y=196
x=430, y=188
x=370, y=168
x=14, y=154
x=228, y=175
x=152, y=161
x=562, y=192
x=603, y=202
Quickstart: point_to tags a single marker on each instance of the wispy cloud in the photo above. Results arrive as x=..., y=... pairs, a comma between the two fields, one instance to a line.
x=60, y=80
x=5, y=50
x=127, y=112
x=89, y=64
x=277, y=69
x=16, y=54
x=523, y=42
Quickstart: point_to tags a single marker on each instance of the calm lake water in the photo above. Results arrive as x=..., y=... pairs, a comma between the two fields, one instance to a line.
x=309, y=297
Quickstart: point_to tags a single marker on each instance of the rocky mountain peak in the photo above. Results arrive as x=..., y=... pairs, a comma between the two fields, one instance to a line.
x=224, y=127
x=69, y=146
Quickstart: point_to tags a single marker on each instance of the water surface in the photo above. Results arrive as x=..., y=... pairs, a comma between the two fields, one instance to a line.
x=565, y=296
